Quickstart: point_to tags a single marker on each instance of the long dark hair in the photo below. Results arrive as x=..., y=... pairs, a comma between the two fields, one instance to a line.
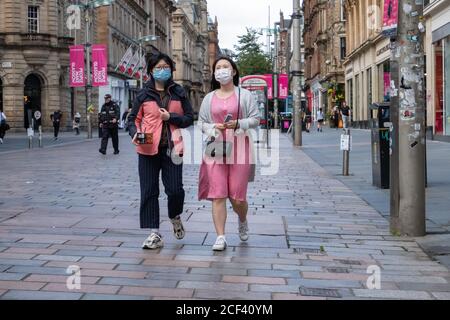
x=216, y=84
x=157, y=58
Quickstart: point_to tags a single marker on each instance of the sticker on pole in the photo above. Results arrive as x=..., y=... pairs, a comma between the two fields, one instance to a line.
x=30, y=132
x=408, y=114
x=346, y=142
x=37, y=115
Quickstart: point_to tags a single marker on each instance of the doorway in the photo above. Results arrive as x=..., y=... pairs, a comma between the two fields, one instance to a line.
x=32, y=99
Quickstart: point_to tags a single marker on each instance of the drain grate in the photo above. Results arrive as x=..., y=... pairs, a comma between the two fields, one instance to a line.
x=337, y=270
x=344, y=261
x=320, y=292
x=308, y=250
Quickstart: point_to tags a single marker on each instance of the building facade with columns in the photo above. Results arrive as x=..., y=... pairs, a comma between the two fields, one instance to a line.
x=122, y=25
x=437, y=50
x=325, y=45
x=34, y=54
x=367, y=65
x=190, y=49
x=34, y=61
x=213, y=46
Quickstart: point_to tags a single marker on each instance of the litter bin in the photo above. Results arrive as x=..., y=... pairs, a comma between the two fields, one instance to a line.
x=379, y=115
x=286, y=120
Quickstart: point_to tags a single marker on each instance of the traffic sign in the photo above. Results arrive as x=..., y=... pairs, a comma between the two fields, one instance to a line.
x=37, y=115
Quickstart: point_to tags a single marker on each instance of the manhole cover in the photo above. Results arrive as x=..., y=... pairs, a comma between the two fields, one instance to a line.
x=320, y=292
x=343, y=261
x=308, y=250
x=337, y=270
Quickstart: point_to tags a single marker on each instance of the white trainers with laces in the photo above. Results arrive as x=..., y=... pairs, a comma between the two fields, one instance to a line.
x=221, y=244
x=154, y=241
x=243, y=230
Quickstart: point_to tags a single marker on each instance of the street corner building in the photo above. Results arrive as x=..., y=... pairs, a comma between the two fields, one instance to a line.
x=34, y=54
x=34, y=60
x=35, y=41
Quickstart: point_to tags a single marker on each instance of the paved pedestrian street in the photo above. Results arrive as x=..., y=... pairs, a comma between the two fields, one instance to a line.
x=311, y=237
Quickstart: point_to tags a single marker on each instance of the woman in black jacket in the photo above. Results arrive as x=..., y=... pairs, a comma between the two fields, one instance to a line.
x=159, y=111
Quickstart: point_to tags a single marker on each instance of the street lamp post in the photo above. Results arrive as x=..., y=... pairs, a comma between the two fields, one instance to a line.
x=88, y=6
x=140, y=41
x=275, y=91
x=408, y=93
x=88, y=91
x=275, y=69
x=296, y=74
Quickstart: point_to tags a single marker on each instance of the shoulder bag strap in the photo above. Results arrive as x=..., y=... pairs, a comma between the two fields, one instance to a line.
x=239, y=109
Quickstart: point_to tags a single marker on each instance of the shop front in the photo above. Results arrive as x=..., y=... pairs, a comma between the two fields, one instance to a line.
x=442, y=92
x=437, y=47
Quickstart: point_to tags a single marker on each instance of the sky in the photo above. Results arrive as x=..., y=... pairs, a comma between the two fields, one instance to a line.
x=235, y=15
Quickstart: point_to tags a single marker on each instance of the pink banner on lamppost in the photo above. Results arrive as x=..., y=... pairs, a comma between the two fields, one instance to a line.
x=283, y=86
x=99, y=65
x=269, y=80
x=390, y=18
x=76, y=72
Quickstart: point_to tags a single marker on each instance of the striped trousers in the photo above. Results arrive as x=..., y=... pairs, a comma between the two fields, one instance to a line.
x=172, y=178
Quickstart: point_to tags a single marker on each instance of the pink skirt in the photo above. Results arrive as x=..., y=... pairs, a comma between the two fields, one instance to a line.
x=220, y=180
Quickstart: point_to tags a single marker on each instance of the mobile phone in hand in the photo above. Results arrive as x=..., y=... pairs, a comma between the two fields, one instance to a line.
x=228, y=118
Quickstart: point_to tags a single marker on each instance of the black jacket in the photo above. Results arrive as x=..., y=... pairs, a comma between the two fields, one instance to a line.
x=149, y=93
x=56, y=116
x=108, y=113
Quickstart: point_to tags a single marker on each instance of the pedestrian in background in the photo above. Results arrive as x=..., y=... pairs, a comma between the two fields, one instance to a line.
x=56, y=119
x=320, y=119
x=3, y=126
x=335, y=117
x=346, y=115
x=109, y=122
x=225, y=115
x=308, y=119
x=160, y=109
x=76, y=123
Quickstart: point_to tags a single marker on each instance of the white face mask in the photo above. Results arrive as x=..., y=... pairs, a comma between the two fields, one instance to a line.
x=224, y=76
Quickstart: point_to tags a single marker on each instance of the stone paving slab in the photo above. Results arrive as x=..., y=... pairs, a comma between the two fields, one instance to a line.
x=309, y=234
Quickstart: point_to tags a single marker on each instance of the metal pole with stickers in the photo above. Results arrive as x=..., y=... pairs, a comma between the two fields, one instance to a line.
x=403, y=23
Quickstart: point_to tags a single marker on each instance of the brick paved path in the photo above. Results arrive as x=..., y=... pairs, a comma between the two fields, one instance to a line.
x=311, y=236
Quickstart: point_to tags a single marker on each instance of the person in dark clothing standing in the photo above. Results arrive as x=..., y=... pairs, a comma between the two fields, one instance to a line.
x=56, y=119
x=109, y=122
x=346, y=113
x=159, y=111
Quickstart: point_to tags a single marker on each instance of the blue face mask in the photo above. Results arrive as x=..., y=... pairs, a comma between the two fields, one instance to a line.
x=162, y=75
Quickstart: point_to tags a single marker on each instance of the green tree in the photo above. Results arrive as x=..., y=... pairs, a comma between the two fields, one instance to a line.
x=250, y=57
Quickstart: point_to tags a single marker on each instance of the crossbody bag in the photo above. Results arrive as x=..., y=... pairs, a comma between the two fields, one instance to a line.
x=222, y=148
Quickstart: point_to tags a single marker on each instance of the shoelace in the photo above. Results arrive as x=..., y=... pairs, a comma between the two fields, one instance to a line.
x=220, y=241
x=243, y=227
x=154, y=238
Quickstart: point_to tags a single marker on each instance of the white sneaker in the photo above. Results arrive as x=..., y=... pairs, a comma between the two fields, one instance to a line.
x=154, y=241
x=178, y=229
x=243, y=230
x=221, y=244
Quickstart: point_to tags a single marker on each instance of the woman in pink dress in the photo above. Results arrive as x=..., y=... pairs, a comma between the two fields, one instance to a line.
x=226, y=114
